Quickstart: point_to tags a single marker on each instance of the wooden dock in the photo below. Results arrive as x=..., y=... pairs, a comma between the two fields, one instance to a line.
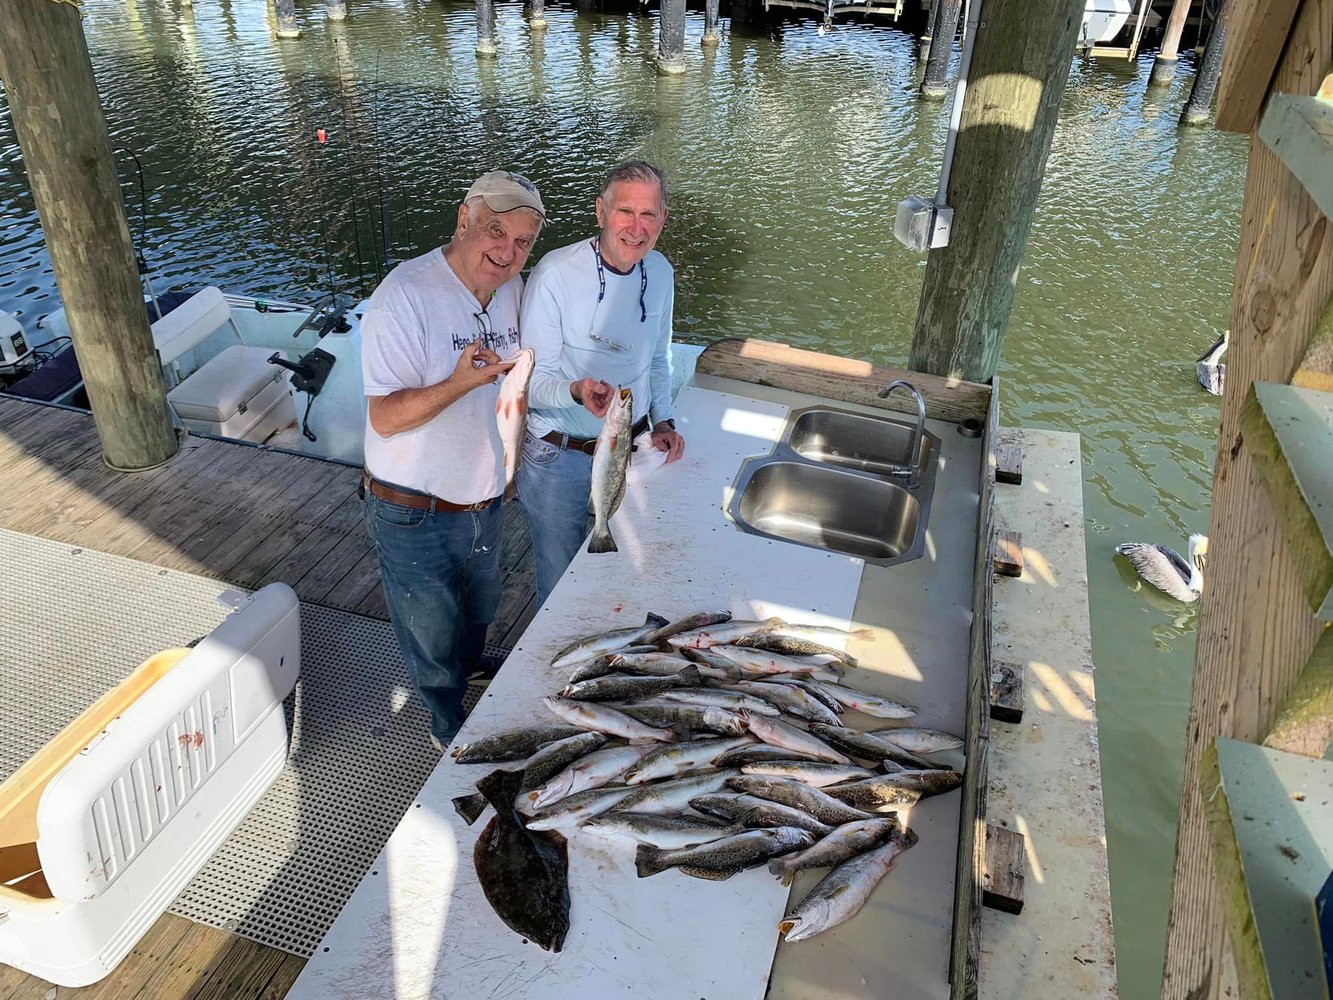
x=238, y=513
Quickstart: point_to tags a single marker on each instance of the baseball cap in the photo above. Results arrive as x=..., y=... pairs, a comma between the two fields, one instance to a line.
x=504, y=191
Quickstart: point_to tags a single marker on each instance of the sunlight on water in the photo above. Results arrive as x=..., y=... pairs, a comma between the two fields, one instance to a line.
x=787, y=152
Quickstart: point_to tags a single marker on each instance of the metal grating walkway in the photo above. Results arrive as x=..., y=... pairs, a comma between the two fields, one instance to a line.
x=75, y=622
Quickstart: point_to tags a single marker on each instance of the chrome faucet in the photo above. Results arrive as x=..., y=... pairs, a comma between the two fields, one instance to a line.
x=913, y=469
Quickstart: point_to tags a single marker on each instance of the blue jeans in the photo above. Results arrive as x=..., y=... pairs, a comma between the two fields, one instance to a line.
x=441, y=575
x=553, y=486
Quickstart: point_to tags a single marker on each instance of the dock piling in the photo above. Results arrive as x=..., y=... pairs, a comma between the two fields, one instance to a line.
x=943, y=31
x=1020, y=64
x=1164, y=66
x=335, y=10
x=485, y=29
x=1199, y=108
x=57, y=115
x=710, y=39
x=923, y=48
x=286, y=14
x=671, y=38
x=537, y=13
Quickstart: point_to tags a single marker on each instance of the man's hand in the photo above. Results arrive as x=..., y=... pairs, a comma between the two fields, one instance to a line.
x=593, y=394
x=666, y=439
x=478, y=366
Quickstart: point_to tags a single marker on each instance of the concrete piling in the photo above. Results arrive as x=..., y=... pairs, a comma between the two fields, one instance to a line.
x=286, y=13
x=1199, y=108
x=936, y=83
x=671, y=38
x=1164, y=66
x=710, y=39
x=485, y=29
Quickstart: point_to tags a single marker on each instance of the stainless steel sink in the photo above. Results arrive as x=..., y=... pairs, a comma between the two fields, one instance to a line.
x=835, y=481
x=854, y=441
x=829, y=509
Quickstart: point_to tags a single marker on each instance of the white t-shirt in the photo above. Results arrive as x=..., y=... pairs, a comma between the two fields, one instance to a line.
x=574, y=336
x=416, y=325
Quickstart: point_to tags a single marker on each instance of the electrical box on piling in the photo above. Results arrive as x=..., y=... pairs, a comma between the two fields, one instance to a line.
x=922, y=224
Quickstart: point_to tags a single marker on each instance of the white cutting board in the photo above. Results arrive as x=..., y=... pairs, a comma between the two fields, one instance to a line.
x=419, y=925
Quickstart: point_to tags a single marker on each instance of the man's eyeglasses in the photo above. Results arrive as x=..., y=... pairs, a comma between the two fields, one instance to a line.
x=487, y=334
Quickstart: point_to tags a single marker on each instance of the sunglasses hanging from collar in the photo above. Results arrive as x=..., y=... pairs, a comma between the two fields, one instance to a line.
x=601, y=280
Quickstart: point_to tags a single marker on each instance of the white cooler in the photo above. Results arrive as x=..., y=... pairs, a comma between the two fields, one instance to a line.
x=237, y=394
x=102, y=828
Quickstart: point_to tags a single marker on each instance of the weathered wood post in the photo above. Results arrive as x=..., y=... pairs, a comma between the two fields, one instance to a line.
x=485, y=29
x=936, y=83
x=923, y=49
x=1164, y=66
x=335, y=10
x=57, y=116
x=537, y=14
x=286, y=14
x=1199, y=108
x=671, y=38
x=1020, y=64
x=710, y=39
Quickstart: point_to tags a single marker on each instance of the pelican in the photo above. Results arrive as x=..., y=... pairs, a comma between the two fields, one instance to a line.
x=1166, y=570
x=1209, y=369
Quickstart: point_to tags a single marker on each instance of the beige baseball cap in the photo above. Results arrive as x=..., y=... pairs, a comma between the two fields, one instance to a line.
x=504, y=191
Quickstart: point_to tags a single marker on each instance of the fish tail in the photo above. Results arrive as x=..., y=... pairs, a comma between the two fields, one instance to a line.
x=865, y=634
x=780, y=868
x=648, y=860
x=601, y=540
x=656, y=620
x=470, y=806
x=690, y=676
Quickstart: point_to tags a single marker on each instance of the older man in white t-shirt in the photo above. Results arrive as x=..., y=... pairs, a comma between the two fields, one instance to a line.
x=432, y=341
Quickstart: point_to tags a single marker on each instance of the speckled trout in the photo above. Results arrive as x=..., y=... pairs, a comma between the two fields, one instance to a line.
x=610, y=463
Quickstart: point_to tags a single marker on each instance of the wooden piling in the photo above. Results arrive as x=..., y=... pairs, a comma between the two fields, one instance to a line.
x=58, y=120
x=1020, y=64
x=671, y=38
x=1199, y=108
x=945, y=27
x=1164, y=66
x=485, y=29
x=286, y=14
x=537, y=13
x=710, y=39
x=335, y=10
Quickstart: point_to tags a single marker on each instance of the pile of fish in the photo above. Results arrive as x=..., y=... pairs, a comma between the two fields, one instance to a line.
x=715, y=746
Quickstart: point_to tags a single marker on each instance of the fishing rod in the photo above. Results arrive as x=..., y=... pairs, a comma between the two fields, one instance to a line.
x=352, y=179
x=386, y=207
x=321, y=139
x=142, y=261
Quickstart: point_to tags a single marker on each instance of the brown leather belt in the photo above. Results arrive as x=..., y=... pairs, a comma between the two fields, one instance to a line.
x=589, y=445
x=419, y=501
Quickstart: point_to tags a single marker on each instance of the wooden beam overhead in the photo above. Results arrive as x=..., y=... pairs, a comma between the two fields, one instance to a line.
x=1259, y=31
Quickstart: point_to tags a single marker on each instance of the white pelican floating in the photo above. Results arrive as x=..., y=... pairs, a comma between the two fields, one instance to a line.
x=1166, y=570
x=1210, y=370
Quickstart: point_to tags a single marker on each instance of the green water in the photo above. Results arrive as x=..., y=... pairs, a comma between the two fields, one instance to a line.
x=787, y=151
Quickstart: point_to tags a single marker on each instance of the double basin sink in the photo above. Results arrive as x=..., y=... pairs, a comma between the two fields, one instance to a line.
x=836, y=481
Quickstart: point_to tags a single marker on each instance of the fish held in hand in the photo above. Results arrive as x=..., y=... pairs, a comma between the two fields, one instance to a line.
x=512, y=744
x=592, y=646
x=511, y=409
x=524, y=875
x=843, y=844
x=592, y=715
x=723, y=858
x=843, y=891
x=610, y=464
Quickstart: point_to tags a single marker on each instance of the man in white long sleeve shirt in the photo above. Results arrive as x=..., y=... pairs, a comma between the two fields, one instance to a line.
x=597, y=314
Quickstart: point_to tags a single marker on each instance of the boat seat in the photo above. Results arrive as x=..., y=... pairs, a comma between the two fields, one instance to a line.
x=103, y=827
x=191, y=323
x=236, y=394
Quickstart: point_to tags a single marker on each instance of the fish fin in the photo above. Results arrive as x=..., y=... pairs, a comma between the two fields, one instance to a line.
x=779, y=868
x=601, y=541
x=706, y=873
x=690, y=675
x=864, y=634
x=470, y=806
x=648, y=860
x=909, y=837
x=656, y=620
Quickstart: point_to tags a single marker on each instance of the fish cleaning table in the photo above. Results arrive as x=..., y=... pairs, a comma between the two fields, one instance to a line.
x=419, y=925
